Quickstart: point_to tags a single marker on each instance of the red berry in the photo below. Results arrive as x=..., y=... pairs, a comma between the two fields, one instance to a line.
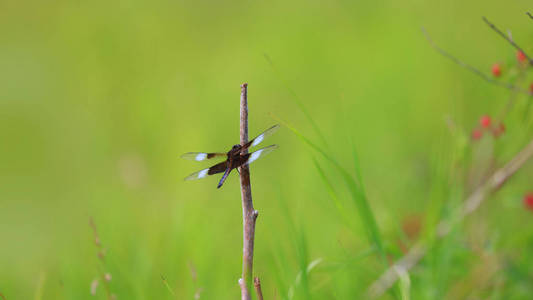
x=528, y=201
x=499, y=130
x=477, y=134
x=485, y=121
x=521, y=56
x=496, y=70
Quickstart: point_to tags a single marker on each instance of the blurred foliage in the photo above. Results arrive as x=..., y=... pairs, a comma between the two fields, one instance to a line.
x=98, y=100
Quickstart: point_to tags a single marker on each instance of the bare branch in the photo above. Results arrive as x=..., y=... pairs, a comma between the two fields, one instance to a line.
x=471, y=68
x=249, y=214
x=527, y=13
x=498, y=31
x=498, y=178
x=257, y=285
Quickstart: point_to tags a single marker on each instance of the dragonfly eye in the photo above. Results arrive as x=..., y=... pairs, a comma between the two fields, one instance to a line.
x=235, y=147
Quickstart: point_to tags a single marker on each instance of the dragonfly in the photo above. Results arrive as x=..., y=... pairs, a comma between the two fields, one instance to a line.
x=236, y=157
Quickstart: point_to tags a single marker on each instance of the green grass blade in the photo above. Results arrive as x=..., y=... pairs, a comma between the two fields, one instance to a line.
x=405, y=284
x=333, y=195
x=280, y=261
x=360, y=200
x=303, y=259
x=357, y=167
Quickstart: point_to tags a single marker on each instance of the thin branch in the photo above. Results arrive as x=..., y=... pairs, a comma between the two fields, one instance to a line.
x=257, y=285
x=498, y=31
x=471, y=68
x=498, y=178
x=527, y=13
x=249, y=214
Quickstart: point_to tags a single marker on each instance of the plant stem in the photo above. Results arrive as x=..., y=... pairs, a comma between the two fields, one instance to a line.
x=508, y=39
x=472, y=69
x=249, y=215
x=257, y=285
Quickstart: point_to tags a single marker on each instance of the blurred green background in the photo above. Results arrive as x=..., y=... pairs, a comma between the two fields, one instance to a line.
x=98, y=99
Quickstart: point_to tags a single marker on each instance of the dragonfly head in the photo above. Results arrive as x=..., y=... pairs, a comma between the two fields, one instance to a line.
x=235, y=148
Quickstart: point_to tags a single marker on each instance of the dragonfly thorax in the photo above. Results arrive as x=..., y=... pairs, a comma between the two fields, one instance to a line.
x=235, y=148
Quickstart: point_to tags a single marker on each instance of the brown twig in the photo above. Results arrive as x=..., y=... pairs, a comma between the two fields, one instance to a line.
x=471, y=68
x=498, y=178
x=257, y=285
x=527, y=13
x=97, y=242
x=498, y=31
x=249, y=214
x=105, y=277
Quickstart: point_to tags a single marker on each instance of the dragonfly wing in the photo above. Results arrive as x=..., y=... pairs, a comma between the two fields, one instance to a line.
x=218, y=168
x=261, y=137
x=201, y=156
x=260, y=153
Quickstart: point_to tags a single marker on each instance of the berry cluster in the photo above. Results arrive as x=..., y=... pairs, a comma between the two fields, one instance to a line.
x=486, y=124
x=522, y=61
